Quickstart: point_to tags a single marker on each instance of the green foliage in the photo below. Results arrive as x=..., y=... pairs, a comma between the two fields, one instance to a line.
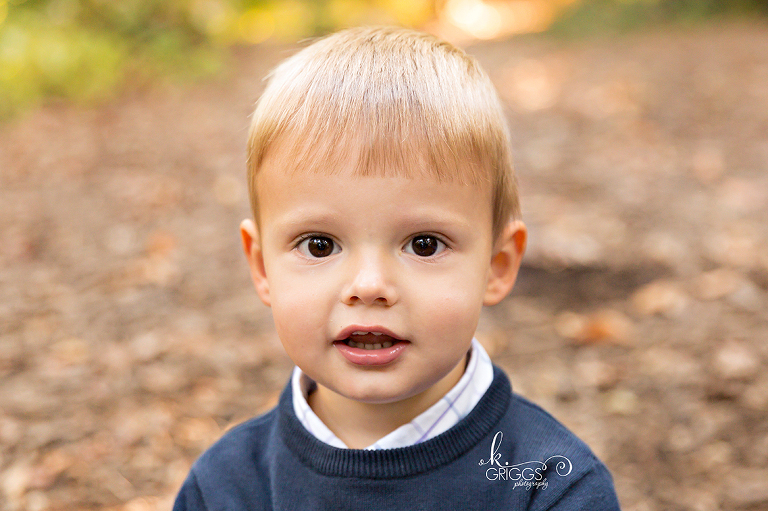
x=618, y=16
x=87, y=50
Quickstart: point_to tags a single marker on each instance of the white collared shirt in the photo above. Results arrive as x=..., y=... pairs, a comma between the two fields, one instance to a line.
x=440, y=417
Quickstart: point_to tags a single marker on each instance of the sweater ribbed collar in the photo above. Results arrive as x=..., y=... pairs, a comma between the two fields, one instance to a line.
x=399, y=462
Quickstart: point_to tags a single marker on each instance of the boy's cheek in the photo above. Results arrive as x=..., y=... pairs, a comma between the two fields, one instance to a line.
x=298, y=328
x=450, y=310
x=296, y=300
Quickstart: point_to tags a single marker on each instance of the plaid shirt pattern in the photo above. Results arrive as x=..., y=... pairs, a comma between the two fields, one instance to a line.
x=440, y=417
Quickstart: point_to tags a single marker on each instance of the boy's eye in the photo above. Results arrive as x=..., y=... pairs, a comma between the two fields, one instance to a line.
x=424, y=246
x=317, y=246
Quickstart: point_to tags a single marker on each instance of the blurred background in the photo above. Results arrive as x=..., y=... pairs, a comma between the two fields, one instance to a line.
x=131, y=337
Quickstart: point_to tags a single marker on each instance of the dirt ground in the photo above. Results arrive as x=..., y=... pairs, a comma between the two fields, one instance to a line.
x=131, y=338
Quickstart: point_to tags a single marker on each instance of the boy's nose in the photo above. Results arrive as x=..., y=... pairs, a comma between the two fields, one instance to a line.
x=370, y=283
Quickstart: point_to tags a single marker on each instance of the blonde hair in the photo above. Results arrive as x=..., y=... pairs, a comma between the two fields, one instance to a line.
x=392, y=102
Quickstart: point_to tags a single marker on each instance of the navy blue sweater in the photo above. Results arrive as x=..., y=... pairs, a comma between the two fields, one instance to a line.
x=506, y=454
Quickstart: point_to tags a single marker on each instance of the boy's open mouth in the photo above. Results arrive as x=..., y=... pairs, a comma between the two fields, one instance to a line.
x=365, y=345
x=370, y=340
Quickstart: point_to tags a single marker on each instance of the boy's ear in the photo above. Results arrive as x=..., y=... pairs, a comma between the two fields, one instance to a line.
x=505, y=262
x=252, y=248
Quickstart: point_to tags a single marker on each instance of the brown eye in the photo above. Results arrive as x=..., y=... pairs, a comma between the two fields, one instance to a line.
x=320, y=247
x=425, y=246
x=317, y=247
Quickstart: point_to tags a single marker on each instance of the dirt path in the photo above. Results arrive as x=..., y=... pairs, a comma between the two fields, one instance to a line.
x=130, y=337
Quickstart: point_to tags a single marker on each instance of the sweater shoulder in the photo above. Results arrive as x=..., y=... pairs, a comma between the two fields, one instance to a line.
x=237, y=464
x=542, y=431
x=242, y=441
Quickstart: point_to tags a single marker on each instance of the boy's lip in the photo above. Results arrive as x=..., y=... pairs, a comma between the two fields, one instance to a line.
x=371, y=358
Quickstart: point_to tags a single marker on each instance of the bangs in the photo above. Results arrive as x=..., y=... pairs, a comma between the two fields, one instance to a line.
x=393, y=145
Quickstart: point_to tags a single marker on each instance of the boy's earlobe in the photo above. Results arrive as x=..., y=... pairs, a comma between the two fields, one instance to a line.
x=252, y=248
x=505, y=262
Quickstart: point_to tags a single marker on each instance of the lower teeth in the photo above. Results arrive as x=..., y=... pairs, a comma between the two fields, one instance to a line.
x=362, y=345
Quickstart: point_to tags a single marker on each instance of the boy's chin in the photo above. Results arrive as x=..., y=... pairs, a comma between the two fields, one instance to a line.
x=397, y=393
x=374, y=394
x=378, y=396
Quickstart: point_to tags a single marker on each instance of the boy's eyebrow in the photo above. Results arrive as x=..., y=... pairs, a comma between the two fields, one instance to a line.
x=437, y=222
x=298, y=217
x=413, y=219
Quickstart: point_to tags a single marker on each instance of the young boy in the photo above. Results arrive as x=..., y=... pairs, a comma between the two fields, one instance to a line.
x=385, y=215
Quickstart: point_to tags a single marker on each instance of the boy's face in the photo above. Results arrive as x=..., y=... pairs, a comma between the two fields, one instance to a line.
x=411, y=261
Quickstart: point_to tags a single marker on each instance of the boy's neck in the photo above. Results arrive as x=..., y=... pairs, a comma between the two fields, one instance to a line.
x=359, y=424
